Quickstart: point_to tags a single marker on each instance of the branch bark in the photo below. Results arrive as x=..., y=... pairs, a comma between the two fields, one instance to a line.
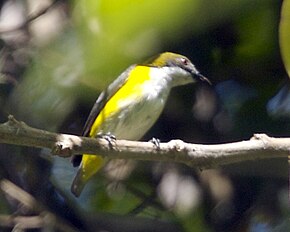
x=260, y=146
x=44, y=219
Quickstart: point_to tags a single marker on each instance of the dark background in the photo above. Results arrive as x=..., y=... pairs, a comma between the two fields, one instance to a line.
x=54, y=67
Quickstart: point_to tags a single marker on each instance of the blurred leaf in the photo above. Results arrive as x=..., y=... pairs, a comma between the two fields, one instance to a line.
x=285, y=34
x=44, y=97
x=115, y=34
x=256, y=33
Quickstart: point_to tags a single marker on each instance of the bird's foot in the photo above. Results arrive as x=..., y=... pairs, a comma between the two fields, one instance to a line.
x=156, y=142
x=109, y=137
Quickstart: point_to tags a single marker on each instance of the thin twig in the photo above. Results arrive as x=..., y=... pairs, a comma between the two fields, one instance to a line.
x=22, y=222
x=29, y=19
x=147, y=201
x=44, y=218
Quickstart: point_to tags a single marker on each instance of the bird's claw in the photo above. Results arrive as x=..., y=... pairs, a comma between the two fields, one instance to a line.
x=156, y=142
x=109, y=137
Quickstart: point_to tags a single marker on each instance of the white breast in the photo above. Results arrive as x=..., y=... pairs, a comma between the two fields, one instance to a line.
x=137, y=116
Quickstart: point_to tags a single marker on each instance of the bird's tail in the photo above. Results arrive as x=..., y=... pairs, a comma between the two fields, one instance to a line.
x=89, y=166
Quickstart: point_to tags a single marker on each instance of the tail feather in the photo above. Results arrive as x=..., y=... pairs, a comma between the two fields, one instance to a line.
x=90, y=165
x=78, y=184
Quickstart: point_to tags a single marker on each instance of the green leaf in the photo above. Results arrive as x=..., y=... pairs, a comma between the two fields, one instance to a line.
x=285, y=34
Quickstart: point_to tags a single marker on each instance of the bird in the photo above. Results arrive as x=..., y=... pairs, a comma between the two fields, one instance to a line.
x=131, y=104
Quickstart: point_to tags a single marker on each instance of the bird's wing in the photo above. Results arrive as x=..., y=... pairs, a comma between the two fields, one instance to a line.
x=104, y=97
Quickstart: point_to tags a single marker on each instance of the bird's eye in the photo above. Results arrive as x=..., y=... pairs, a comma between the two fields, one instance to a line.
x=184, y=61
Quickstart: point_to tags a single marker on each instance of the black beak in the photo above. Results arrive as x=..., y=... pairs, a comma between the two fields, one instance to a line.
x=202, y=78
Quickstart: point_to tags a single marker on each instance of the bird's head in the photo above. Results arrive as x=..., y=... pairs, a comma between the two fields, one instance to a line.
x=178, y=67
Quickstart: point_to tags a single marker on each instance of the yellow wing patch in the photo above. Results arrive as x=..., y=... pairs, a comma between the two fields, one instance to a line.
x=131, y=89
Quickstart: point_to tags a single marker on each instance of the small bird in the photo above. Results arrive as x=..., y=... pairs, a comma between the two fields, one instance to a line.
x=131, y=104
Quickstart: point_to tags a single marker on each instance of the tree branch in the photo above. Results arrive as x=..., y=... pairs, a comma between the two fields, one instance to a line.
x=21, y=222
x=43, y=220
x=260, y=146
x=30, y=18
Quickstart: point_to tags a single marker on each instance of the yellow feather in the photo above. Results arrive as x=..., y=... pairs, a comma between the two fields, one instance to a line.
x=130, y=91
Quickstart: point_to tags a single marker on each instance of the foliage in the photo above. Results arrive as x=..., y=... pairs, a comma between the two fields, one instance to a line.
x=285, y=34
x=52, y=81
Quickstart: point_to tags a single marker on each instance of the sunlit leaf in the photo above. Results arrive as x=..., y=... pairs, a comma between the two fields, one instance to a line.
x=285, y=34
